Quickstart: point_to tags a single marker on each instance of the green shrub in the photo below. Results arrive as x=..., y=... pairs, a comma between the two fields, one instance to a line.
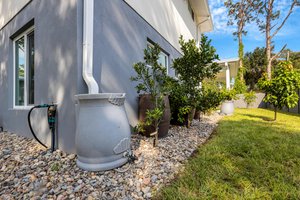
x=210, y=98
x=228, y=95
x=239, y=86
x=151, y=79
x=281, y=89
x=249, y=98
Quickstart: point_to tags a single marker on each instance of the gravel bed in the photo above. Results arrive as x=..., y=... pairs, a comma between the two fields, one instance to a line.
x=28, y=171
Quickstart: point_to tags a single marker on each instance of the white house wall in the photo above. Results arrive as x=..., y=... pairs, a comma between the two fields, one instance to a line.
x=9, y=8
x=171, y=18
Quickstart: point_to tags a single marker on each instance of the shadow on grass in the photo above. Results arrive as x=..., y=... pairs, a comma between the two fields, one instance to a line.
x=268, y=119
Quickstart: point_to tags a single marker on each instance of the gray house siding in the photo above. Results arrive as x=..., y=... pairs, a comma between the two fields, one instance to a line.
x=120, y=36
x=56, y=68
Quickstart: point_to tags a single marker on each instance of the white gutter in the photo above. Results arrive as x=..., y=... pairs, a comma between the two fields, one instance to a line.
x=88, y=41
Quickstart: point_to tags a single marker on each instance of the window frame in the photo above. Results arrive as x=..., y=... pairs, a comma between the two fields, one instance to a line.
x=150, y=43
x=26, y=81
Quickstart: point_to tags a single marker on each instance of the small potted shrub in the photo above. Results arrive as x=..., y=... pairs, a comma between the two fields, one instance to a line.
x=154, y=112
x=249, y=98
x=227, y=106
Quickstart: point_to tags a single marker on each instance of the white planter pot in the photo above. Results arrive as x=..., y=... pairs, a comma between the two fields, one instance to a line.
x=227, y=107
x=102, y=131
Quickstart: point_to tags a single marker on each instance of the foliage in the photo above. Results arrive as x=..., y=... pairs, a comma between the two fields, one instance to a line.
x=249, y=97
x=240, y=86
x=151, y=78
x=246, y=158
x=281, y=89
x=255, y=65
x=294, y=57
x=228, y=95
x=193, y=67
x=210, y=98
x=179, y=100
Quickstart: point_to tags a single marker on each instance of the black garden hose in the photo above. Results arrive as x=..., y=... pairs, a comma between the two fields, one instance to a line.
x=30, y=126
x=51, y=121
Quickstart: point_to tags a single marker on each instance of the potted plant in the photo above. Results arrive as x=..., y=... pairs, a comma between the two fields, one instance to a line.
x=154, y=112
x=249, y=98
x=228, y=96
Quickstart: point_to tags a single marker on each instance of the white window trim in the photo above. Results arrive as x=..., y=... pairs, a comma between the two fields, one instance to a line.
x=161, y=52
x=25, y=106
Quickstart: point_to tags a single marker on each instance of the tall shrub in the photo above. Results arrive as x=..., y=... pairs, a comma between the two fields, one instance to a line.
x=193, y=67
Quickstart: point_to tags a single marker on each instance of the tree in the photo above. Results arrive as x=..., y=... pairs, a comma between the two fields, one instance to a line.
x=240, y=13
x=270, y=27
x=255, y=65
x=294, y=57
x=193, y=67
x=281, y=89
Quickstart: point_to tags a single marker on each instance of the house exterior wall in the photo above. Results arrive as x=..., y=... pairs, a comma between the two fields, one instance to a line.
x=9, y=8
x=56, y=69
x=120, y=36
x=171, y=18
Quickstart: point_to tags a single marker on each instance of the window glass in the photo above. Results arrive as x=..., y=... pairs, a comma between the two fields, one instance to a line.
x=24, y=69
x=20, y=71
x=163, y=58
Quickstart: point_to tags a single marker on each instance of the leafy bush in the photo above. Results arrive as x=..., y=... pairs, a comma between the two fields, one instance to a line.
x=249, y=98
x=193, y=67
x=151, y=78
x=228, y=95
x=210, y=98
x=281, y=89
x=179, y=103
x=239, y=86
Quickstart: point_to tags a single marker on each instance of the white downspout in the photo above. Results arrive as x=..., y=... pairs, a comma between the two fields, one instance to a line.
x=227, y=75
x=88, y=41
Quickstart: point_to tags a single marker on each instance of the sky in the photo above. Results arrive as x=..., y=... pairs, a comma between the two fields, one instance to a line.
x=227, y=46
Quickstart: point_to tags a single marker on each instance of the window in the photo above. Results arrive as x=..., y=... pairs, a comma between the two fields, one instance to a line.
x=163, y=57
x=24, y=69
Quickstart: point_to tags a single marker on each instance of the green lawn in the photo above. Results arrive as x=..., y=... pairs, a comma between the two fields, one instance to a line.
x=248, y=157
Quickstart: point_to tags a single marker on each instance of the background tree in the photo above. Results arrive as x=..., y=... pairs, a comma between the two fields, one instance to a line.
x=255, y=65
x=271, y=27
x=294, y=57
x=281, y=89
x=240, y=13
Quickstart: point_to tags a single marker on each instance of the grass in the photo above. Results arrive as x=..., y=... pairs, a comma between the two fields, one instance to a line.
x=248, y=157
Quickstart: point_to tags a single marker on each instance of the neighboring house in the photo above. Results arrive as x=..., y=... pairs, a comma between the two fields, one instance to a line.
x=228, y=74
x=41, y=53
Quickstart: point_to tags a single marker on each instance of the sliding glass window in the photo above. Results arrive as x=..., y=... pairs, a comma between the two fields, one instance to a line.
x=24, y=69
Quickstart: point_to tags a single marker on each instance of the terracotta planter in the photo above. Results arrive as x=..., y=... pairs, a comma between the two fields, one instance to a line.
x=145, y=104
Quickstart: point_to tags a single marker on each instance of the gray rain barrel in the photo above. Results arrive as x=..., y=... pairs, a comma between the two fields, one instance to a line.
x=102, y=131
